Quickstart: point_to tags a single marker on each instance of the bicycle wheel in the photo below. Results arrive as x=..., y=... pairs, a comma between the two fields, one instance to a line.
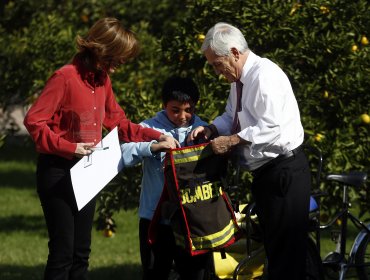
x=314, y=269
x=331, y=267
x=362, y=257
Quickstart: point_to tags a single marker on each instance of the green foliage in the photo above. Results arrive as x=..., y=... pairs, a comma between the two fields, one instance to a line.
x=41, y=39
x=321, y=45
x=37, y=38
x=323, y=48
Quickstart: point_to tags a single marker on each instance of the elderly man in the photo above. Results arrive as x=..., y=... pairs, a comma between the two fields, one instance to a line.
x=261, y=125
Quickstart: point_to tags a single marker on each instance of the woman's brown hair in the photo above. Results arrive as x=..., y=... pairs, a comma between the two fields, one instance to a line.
x=109, y=43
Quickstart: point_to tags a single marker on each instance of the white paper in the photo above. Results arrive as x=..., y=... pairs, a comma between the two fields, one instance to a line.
x=89, y=180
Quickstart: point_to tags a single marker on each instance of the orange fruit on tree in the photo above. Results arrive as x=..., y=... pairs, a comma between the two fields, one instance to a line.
x=201, y=37
x=324, y=9
x=318, y=137
x=365, y=118
x=364, y=40
x=108, y=232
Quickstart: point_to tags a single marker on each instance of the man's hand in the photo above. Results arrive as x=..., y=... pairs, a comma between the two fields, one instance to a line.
x=171, y=141
x=83, y=149
x=199, y=133
x=224, y=144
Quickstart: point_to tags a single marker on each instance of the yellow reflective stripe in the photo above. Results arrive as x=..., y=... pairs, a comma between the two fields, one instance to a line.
x=210, y=241
x=188, y=150
x=190, y=154
x=186, y=159
x=215, y=239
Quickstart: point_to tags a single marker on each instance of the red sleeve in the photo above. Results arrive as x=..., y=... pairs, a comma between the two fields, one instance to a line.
x=42, y=111
x=127, y=131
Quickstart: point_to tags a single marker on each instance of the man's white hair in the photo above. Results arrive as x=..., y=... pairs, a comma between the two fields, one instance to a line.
x=222, y=37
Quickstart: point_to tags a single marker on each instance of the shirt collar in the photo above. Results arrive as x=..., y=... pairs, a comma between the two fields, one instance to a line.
x=94, y=79
x=252, y=57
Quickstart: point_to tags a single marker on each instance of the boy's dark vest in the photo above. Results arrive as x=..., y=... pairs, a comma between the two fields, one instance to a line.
x=193, y=200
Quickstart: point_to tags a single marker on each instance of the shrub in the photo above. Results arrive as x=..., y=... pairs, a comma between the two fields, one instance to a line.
x=321, y=45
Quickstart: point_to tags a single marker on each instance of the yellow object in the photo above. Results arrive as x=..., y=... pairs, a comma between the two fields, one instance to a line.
x=318, y=137
x=354, y=48
x=364, y=40
x=236, y=253
x=324, y=10
x=294, y=8
x=224, y=268
x=365, y=118
x=108, y=233
x=201, y=37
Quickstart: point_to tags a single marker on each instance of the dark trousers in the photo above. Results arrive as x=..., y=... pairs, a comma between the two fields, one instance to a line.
x=69, y=229
x=157, y=259
x=282, y=193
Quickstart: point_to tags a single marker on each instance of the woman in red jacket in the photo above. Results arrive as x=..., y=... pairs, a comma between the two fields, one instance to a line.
x=65, y=122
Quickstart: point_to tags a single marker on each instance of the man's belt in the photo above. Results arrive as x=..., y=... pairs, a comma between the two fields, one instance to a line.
x=277, y=160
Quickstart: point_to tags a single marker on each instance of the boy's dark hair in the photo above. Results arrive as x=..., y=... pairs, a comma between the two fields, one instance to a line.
x=180, y=89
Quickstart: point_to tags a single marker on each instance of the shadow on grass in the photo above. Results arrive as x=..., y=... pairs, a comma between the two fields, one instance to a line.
x=128, y=272
x=23, y=152
x=18, y=179
x=14, y=223
x=13, y=272
x=20, y=148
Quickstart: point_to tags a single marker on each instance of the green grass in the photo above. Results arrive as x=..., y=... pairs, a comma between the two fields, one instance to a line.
x=23, y=232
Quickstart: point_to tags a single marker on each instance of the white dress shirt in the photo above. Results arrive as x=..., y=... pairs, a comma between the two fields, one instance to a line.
x=269, y=118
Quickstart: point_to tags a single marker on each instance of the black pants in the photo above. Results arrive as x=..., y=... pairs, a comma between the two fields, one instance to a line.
x=69, y=229
x=282, y=193
x=157, y=259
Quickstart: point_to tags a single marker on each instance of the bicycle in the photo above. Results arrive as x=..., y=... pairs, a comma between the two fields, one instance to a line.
x=337, y=263
x=247, y=259
x=252, y=264
x=255, y=262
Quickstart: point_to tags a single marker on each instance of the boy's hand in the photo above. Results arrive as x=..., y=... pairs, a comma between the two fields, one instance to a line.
x=171, y=141
x=201, y=132
x=163, y=146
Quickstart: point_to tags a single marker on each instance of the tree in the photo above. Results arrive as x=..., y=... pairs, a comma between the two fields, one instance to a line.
x=37, y=38
x=321, y=45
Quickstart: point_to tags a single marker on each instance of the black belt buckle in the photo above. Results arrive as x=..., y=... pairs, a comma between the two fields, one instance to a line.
x=297, y=150
x=289, y=154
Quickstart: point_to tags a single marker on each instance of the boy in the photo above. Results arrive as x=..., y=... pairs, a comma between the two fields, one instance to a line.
x=177, y=119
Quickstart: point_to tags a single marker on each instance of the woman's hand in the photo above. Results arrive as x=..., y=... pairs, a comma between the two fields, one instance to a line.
x=83, y=149
x=171, y=141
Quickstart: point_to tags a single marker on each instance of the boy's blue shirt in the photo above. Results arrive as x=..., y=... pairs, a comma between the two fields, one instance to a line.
x=153, y=178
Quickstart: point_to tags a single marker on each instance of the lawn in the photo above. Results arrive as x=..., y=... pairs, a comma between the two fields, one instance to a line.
x=23, y=233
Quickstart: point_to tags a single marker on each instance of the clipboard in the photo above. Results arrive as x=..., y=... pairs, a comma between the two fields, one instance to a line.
x=104, y=165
